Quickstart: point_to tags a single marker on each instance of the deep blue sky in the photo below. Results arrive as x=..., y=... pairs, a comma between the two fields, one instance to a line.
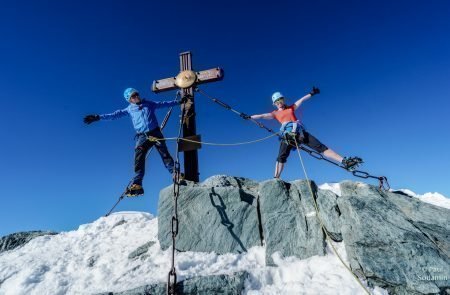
x=383, y=69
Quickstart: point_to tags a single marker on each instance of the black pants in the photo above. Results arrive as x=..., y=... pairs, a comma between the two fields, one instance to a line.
x=142, y=147
x=307, y=139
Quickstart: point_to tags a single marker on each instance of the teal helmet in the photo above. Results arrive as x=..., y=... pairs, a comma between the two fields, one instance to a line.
x=276, y=96
x=128, y=93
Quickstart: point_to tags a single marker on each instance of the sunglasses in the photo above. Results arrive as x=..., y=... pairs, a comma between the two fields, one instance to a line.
x=134, y=95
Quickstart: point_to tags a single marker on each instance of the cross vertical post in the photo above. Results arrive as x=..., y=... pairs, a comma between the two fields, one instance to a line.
x=186, y=80
x=189, y=127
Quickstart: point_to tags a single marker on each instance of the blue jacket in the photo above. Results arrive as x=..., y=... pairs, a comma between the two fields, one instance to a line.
x=142, y=115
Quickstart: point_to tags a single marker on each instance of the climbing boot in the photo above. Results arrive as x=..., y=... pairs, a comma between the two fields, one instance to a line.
x=351, y=163
x=134, y=190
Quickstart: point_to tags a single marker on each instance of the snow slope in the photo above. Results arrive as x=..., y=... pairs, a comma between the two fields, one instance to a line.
x=95, y=258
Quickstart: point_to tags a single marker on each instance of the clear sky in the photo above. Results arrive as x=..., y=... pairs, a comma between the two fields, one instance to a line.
x=383, y=68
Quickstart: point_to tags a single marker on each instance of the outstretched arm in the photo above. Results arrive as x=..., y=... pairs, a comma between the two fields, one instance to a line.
x=267, y=116
x=314, y=91
x=113, y=116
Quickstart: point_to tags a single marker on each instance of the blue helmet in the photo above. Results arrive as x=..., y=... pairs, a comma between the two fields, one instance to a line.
x=276, y=96
x=128, y=92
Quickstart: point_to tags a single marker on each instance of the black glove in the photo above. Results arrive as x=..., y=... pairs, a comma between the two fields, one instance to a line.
x=91, y=118
x=314, y=91
x=245, y=116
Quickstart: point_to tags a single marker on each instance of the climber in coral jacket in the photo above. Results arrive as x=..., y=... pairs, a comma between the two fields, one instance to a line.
x=294, y=132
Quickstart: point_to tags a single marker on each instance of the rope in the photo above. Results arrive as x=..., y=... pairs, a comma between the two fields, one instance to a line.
x=322, y=224
x=156, y=139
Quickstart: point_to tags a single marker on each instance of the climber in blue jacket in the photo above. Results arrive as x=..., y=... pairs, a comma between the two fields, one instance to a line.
x=142, y=113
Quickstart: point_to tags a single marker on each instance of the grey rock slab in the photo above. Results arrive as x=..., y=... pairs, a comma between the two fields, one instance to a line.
x=290, y=226
x=330, y=213
x=221, y=219
x=385, y=247
x=431, y=220
x=141, y=250
x=16, y=240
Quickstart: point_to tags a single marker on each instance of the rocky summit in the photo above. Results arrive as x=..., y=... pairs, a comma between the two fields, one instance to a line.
x=392, y=240
x=388, y=239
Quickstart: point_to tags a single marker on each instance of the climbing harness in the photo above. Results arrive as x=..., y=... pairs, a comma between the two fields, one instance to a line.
x=316, y=207
x=155, y=139
x=172, y=276
x=382, y=180
x=290, y=131
x=163, y=124
x=291, y=128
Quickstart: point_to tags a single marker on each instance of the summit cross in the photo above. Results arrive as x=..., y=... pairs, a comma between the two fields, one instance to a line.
x=187, y=80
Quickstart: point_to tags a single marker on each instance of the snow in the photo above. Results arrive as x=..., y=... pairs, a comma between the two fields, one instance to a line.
x=334, y=187
x=431, y=198
x=94, y=259
x=60, y=264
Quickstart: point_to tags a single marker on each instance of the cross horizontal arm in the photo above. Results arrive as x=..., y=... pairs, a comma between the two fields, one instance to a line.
x=211, y=75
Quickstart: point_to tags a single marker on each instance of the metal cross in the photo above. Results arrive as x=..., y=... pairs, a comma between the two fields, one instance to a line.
x=186, y=80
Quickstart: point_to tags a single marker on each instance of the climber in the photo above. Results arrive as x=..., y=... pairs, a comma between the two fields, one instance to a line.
x=294, y=132
x=142, y=113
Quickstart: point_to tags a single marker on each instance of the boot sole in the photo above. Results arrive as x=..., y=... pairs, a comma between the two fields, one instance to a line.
x=133, y=196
